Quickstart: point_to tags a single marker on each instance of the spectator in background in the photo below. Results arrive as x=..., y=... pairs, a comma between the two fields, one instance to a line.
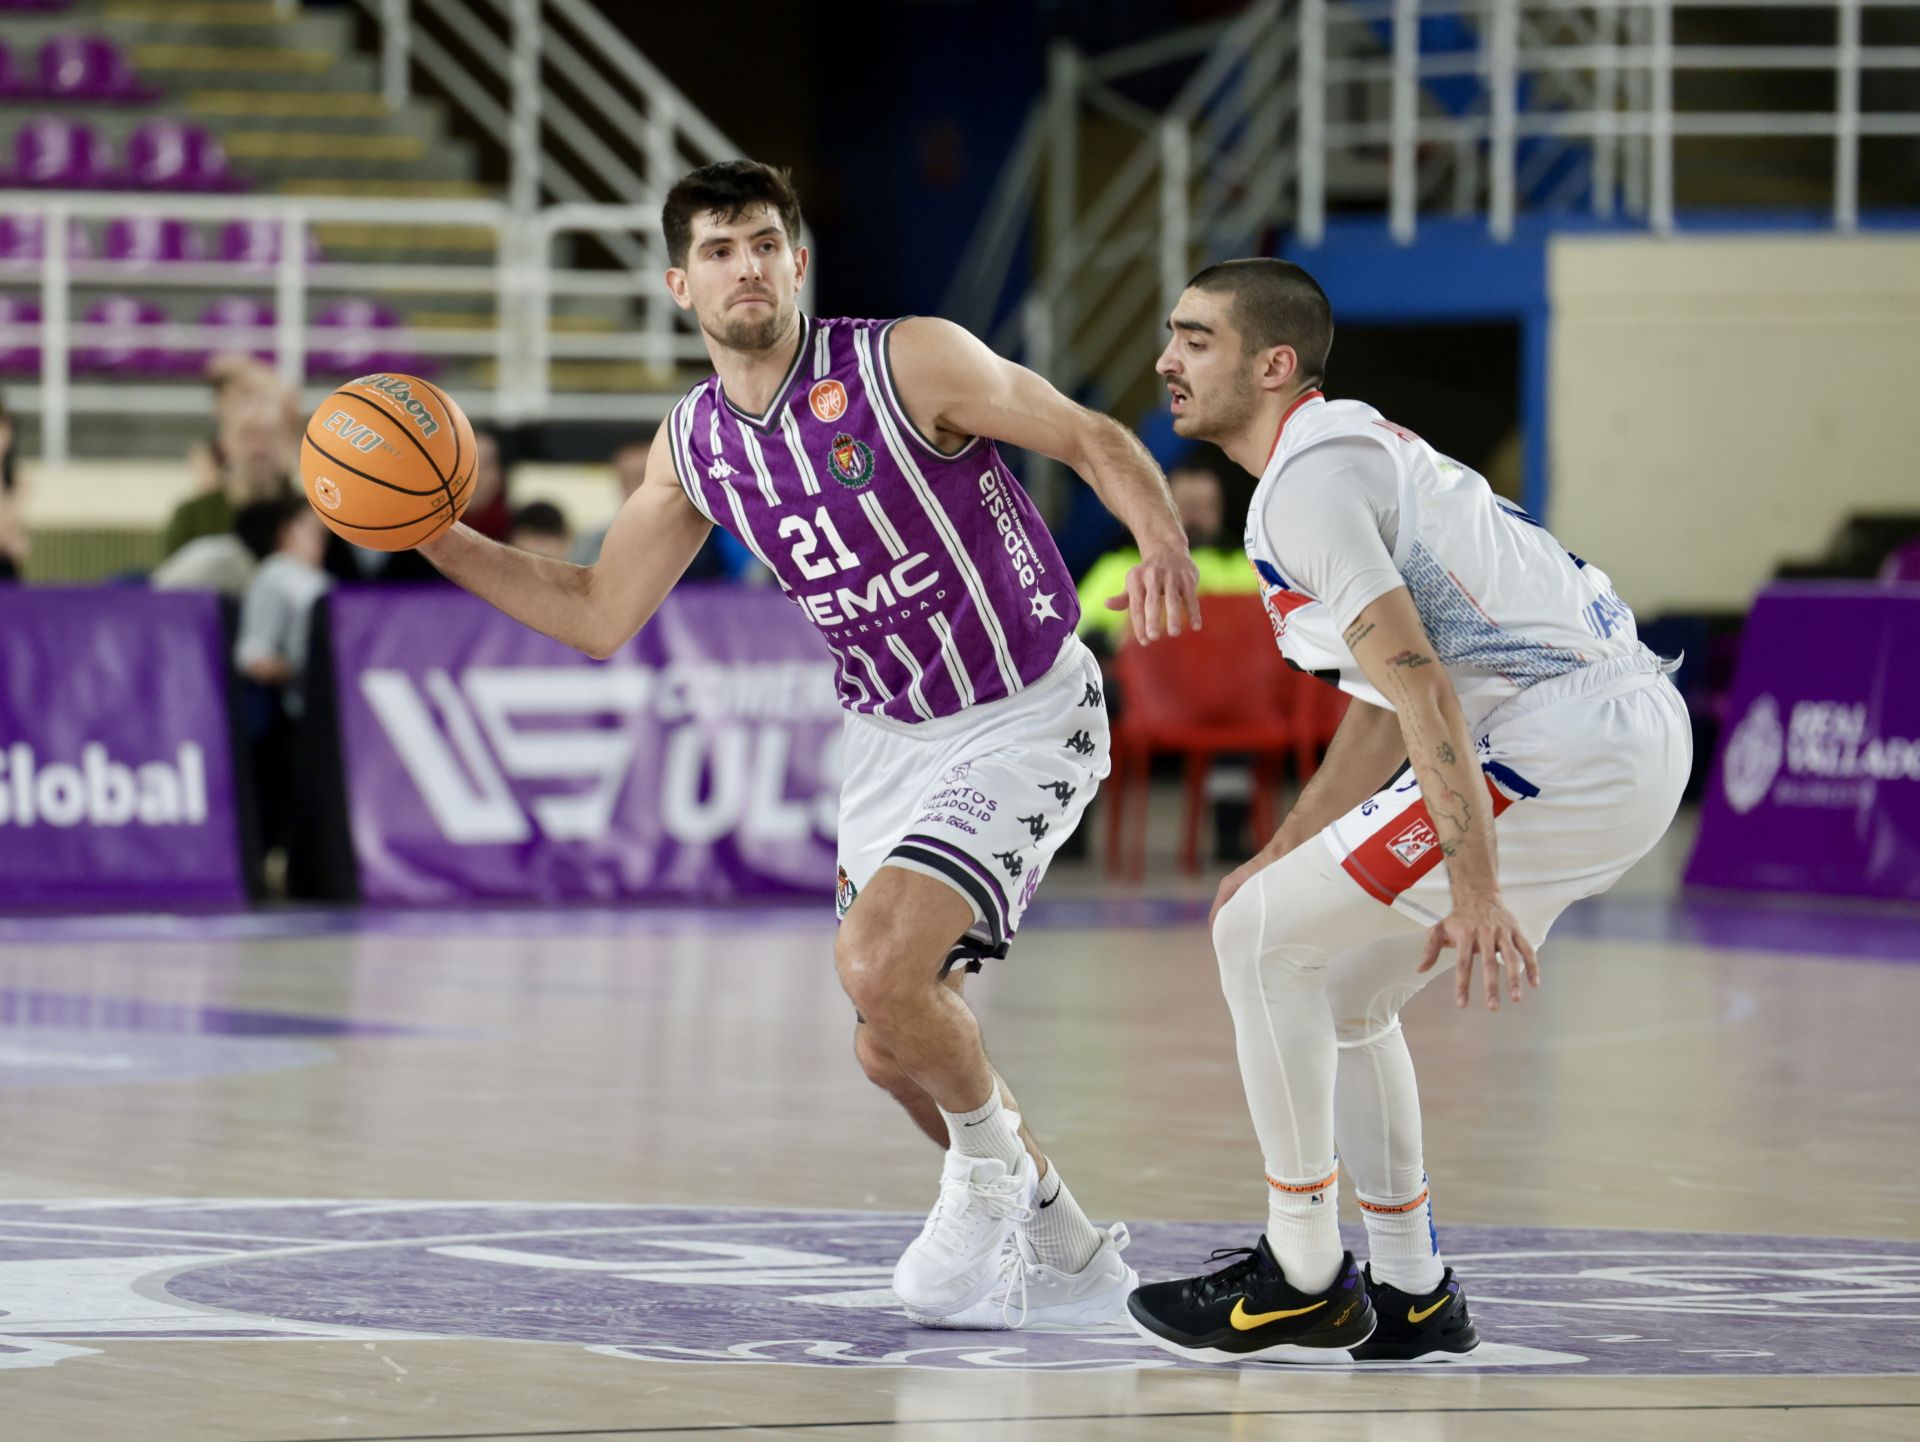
x=13, y=529
x=540, y=527
x=225, y=563
x=256, y=464
x=489, y=512
x=722, y=558
x=1199, y=496
x=276, y=613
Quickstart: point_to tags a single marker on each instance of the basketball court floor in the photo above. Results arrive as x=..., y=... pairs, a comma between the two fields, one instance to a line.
x=596, y=1175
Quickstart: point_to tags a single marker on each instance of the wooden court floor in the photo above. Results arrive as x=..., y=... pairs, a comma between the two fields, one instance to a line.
x=614, y=1175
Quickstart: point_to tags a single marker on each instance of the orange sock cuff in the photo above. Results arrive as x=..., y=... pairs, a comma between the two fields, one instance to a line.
x=1301, y=1189
x=1387, y=1209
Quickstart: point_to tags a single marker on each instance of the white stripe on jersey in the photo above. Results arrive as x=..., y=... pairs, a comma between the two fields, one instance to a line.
x=790, y=428
x=915, y=696
x=847, y=672
x=679, y=430
x=955, y=667
x=882, y=527
x=822, y=355
x=874, y=672
x=745, y=531
x=758, y=460
x=963, y=563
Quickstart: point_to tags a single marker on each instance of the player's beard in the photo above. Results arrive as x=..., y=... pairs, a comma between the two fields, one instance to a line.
x=1223, y=416
x=753, y=333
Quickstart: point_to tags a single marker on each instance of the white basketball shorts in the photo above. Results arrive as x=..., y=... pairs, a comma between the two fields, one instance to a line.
x=1584, y=778
x=980, y=800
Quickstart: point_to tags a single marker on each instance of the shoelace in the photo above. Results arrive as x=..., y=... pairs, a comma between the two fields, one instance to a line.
x=1020, y=1261
x=1233, y=1278
x=995, y=1203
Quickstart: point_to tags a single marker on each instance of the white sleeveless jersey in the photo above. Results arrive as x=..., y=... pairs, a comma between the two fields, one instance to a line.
x=1505, y=605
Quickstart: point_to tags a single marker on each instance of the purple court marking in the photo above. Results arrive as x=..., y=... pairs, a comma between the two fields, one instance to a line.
x=86, y=1011
x=810, y=1288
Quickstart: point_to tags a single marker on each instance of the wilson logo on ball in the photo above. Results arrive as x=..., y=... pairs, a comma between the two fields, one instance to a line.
x=397, y=390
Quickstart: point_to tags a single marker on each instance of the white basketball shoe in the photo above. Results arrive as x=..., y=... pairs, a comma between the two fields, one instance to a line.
x=1031, y=1296
x=955, y=1260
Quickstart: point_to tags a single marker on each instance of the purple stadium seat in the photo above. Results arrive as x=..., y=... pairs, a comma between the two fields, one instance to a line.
x=235, y=312
x=143, y=240
x=130, y=348
x=61, y=154
x=356, y=341
x=255, y=244
x=11, y=85
x=18, y=353
x=1902, y=565
x=24, y=237
x=88, y=67
x=166, y=155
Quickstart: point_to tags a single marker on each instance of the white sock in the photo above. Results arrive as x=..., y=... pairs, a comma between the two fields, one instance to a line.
x=1378, y=1107
x=1062, y=1236
x=987, y=1131
x=1303, y=1229
x=1402, y=1248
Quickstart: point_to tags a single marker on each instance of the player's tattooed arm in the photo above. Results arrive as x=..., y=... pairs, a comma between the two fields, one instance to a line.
x=952, y=387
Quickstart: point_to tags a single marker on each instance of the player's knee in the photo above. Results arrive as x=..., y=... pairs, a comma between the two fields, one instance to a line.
x=1354, y=1032
x=872, y=980
x=879, y=1063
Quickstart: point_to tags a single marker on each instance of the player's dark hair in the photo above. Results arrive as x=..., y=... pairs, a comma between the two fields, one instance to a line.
x=1275, y=302
x=728, y=188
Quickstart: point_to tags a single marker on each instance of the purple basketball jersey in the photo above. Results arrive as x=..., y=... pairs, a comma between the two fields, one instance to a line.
x=931, y=575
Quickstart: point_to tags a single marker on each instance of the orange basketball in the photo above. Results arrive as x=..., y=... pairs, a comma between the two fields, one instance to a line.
x=387, y=461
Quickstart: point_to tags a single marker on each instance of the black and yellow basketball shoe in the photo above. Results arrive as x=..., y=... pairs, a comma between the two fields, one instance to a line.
x=1248, y=1312
x=1433, y=1327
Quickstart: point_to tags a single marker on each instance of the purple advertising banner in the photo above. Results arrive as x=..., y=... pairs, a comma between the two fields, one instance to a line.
x=484, y=760
x=1817, y=784
x=116, y=767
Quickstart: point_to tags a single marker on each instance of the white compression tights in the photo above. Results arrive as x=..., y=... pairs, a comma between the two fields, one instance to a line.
x=1315, y=973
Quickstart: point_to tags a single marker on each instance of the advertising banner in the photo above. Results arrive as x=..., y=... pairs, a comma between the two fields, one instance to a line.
x=1817, y=784
x=484, y=760
x=116, y=767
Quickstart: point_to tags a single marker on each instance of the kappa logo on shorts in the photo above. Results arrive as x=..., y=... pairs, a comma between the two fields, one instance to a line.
x=1415, y=842
x=1036, y=825
x=828, y=400
x=1081, y=742
x=1093, y=696
x=1011, y=860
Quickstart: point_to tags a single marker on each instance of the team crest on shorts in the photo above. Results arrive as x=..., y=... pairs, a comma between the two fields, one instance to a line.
x=851, y=461
x=1413, y=843
x=844, y=891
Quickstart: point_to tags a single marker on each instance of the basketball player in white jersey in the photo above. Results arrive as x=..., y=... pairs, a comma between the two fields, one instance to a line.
x=1541, y=752
x=857, y=460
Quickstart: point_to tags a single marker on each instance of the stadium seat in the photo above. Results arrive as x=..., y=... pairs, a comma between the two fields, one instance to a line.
x=88, y=67
x=1202, y=695
x=167, y=155
x=18, y=353
x=24, y=238
x=58, y=154
x=255, y=244
x=12, y=87
x=353, y=343
x=238, y=312
x=142, y=240
x=131, y=348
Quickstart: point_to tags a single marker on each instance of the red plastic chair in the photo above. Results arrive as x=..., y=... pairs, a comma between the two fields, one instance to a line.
x=1222, y=690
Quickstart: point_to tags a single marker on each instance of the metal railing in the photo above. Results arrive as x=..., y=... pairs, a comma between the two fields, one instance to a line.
x=512, y=285
x=1303, y=105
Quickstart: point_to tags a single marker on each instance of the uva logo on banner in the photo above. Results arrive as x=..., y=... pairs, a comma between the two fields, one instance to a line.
x=100, y=791
x=1754, y=754
x=500, y=753
x=1823, y=744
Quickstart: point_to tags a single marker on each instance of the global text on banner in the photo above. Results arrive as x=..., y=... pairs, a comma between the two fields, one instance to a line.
x=485, y=760
x=1817, y=784
x=116, y=773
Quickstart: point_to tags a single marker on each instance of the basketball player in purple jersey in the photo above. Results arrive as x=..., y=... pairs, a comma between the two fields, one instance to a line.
x=857, y=460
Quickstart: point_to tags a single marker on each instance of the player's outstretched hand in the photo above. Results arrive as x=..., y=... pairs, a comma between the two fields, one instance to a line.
x=1162, y=591
x=1486, y=931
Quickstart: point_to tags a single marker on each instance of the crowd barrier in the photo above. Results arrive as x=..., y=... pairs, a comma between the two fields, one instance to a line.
x=456, y=754
x=1816, y=787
